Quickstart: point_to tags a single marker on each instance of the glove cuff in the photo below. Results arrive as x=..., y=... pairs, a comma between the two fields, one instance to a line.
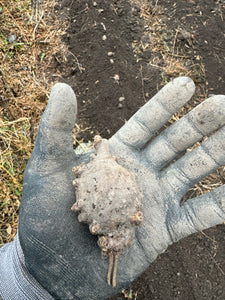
x=15, y=280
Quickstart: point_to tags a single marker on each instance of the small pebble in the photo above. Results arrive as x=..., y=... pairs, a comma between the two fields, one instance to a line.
x=12, y=38
x=121, y=99
x=111, y=61
x=110, y=53
x=103, y=25
x=184, y=35
x=104, y=37
x=116, y=77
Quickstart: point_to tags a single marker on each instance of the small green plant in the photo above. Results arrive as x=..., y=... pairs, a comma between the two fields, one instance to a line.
x=42, y=56
x=19, y=45
x=11, y=54
x=164, y=78
x=129, y=294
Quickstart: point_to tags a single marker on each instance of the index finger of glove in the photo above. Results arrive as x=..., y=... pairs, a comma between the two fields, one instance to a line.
x=138, y=130
x=54, y=138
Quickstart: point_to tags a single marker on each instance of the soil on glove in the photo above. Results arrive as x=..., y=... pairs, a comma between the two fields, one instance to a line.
x=112, y=80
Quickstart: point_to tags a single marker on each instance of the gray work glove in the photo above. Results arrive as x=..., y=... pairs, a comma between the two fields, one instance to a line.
x=60, y=252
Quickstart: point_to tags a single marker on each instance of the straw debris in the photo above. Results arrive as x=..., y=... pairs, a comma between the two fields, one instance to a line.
x=30, y=40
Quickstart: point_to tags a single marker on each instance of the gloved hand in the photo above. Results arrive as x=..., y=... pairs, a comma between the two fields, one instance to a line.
x=59, y=251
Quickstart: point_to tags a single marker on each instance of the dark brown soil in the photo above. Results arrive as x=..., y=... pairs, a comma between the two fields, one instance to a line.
x=92, y=75
x=205, y=21
x=193, y=268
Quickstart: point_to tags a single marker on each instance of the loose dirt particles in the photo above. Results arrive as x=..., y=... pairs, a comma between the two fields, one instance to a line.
x=112, y=79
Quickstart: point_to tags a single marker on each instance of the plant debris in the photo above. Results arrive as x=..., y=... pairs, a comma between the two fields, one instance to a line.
x=28, y=46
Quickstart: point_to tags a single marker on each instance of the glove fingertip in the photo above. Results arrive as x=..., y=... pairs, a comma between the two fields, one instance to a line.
x=61, y=110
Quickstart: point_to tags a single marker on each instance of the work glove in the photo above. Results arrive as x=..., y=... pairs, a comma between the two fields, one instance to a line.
x=59, y=252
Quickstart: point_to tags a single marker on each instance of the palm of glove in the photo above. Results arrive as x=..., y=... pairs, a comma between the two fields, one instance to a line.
x=59, y=248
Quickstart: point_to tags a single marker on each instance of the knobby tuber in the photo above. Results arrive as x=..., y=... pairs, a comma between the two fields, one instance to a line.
x=108, y=199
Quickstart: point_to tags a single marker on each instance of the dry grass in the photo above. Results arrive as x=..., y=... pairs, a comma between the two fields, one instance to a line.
x=15, y=152
x=25, y=61
x=24, y=87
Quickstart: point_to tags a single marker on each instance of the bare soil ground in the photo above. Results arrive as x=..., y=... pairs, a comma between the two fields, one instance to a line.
x=116, y=55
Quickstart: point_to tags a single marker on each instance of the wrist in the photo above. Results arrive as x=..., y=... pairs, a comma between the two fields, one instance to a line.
x=16, y=282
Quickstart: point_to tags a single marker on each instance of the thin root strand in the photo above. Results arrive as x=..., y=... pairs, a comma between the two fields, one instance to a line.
x=115, y=271
x=113, y=261
x=110, y=268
